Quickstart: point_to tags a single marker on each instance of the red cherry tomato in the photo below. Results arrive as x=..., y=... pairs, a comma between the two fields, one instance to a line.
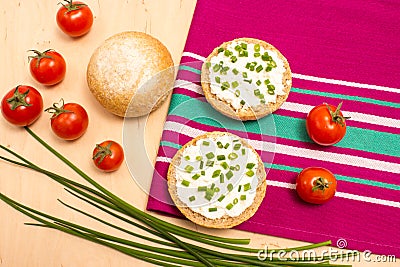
x=326, y=125
x=74, y=18
x=47, y=67
x=69, y=121
x=316, y=185
x=22, y=105
x=108, y=156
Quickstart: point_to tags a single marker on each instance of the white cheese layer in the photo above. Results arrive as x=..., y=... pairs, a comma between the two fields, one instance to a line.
x=217, y=177
x=248, y=86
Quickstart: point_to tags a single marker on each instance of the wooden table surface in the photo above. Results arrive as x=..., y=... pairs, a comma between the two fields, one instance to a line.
x=31, y=25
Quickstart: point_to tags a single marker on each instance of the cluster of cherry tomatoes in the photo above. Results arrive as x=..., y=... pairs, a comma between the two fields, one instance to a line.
x=23, y=105
x=326, y=126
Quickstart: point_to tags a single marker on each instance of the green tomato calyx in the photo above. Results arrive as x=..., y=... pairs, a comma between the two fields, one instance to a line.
x=18, y=99
x=102, y=152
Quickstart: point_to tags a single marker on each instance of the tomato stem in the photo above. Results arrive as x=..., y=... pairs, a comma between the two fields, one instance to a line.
x=321, y=184
x=71, y=6
x=18, y=99
x=103, y=151
x=39, y=55
x=336, y=116
x=57, y=109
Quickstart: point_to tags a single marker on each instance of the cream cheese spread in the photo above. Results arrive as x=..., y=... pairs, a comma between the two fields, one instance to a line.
x=217, y=176
x=246, y=75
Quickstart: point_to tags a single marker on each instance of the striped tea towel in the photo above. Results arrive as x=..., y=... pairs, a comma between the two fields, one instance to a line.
x=338, y=51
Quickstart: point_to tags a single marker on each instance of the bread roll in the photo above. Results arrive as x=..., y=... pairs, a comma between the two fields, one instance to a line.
x=217, y=180
x=246, y=79
x=130, y=74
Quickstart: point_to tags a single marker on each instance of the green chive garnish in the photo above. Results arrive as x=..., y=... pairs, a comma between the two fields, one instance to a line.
x=224, y=70
x=210, y=155
x=216, y=67
x=216, y=173
x=217, y=79
x=238, y=48
x=249, y=173
x=210, y=163
x=235, y=201
x=244, y=46
x=266, y=81
x=235, y=71
x=250, y=165
x=258, y=83
x=203, y=173
x=227, y=53
x=233, y=59
x=220, y=50
x=224, y=165
x=232, y=168
x=226, y=145
x=235, y=84
x=257, y=54
x=257, y=92
x=198, y=158
x=201, y=188
x=271, y=86
x=185, y=183
x=196, y=176
x=208, y=64
x=229, y=206
x=219, y=144
x=268, y=69
x=237, y=167
x=221, y=157
x=189, y=168
x=244, y=74
x=206, y=143
x=221, y=178
x=261, y=96
x=248, y=80
x=237, y=146
x=229, y=187
x=232, y=156
x=262, y=101
x=192, y=198
x=221, y=198
x=248, y=65
x=239, y=187
x=237, y=93
x=257, y=47
x=187, y=157
x=259, y=68
x=229, y=175
x=243, y=197
x=243, y=151
x=246, y=187
x=242, y=102
x=201, y=164
x=212, y=209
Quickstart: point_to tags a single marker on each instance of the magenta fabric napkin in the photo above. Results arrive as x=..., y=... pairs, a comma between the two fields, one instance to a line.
x=338, y=51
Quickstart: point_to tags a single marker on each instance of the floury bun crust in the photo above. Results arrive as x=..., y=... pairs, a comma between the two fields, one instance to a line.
x=225, y=221
x=253, y=113
x=130, y=74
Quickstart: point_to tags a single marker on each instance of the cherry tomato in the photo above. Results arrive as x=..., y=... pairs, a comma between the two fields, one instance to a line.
x=316, y=185
x=47, y=67
x=74, y=18
x=69, y=121
x=22, y=105
x=326, y=125
x=108, y=156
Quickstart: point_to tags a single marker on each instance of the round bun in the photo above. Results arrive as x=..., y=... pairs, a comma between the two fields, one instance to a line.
x=254, y=112
x=225, y=221
x=130, y=74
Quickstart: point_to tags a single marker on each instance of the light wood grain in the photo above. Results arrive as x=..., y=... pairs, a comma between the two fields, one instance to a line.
x=31, y=25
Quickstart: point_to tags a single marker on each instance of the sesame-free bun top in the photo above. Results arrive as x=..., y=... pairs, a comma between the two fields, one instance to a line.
x=130, y=74
x=246, y=78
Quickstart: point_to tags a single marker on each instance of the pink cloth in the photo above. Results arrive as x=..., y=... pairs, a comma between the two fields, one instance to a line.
x=338, y=51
